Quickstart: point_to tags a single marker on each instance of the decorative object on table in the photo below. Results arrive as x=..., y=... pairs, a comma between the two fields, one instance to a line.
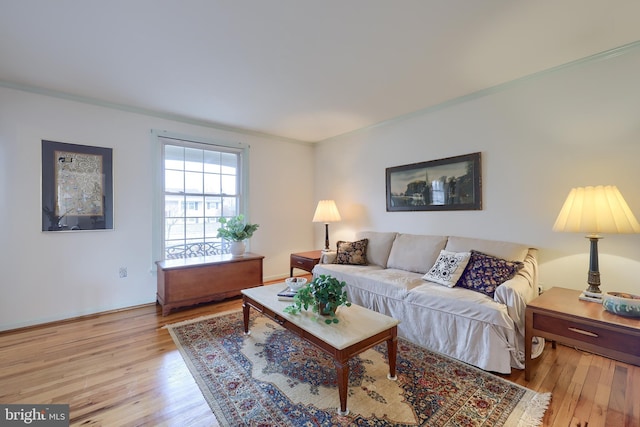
x=77, y=187
x=286, y=295
x=453, y=183
x=295, y=283
x=324, y=294
x=236, y=230
x=326, y=212
x=622, y=303
x=293, y=286
x=272, y=377
x=595, y=210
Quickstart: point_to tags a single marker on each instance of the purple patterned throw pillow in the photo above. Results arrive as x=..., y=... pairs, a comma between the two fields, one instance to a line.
x=484, y=273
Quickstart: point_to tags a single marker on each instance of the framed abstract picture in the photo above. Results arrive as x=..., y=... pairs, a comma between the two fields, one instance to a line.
x=77, y=187
x=453, y=183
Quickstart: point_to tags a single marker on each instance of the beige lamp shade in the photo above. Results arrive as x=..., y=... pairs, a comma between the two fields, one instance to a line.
x=326, y=211
x=595, y=210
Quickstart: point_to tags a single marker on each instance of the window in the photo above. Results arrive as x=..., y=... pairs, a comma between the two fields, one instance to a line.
x=200, y=183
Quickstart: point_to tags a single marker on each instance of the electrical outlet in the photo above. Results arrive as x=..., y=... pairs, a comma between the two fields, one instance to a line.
x=123, y=272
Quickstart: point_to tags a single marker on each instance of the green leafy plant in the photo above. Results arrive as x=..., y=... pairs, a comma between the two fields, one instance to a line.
x=235, y=228
x=324, y=294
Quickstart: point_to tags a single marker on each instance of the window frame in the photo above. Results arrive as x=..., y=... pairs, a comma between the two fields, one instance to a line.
x=161, y=138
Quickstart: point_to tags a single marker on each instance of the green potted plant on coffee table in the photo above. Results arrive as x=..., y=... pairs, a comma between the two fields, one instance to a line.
x=324, y=294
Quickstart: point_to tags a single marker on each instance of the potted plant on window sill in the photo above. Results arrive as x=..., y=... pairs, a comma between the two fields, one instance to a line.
x=236, y=230
x=324, y=294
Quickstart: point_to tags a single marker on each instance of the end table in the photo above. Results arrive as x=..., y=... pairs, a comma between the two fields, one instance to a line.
x=559, y=315
x=304, y=261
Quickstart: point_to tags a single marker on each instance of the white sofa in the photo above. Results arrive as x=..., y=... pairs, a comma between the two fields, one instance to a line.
x=462, y=323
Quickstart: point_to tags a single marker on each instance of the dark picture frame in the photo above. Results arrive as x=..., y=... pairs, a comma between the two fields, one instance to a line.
x=449, y=184
x=77, y=187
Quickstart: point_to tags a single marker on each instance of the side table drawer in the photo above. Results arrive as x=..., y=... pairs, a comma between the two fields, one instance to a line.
x=587, y=333
x=302, y=263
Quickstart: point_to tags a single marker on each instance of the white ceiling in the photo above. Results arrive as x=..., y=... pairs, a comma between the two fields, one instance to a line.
x=300, y=69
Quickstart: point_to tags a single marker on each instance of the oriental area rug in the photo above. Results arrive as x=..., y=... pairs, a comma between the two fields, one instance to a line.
x=273, y=378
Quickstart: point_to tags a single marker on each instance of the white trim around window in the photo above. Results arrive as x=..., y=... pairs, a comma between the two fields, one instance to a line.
x=194, y=198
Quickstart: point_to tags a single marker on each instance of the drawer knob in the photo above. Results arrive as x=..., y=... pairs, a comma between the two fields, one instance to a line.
x=580, y=331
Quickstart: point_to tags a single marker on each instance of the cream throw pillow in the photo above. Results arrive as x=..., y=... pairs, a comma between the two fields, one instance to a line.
x=448, y=268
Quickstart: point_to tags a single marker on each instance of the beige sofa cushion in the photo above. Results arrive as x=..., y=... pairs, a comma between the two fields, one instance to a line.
x=414, y=252
x=379, y=246
x=506, y=250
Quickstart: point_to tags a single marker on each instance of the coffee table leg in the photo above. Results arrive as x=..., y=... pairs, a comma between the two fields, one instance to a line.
x=343, y=382
x=245, y=314
x=392, y=351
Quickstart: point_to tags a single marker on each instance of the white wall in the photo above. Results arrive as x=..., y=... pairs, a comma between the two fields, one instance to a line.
x=51, y=276
x=539, y=137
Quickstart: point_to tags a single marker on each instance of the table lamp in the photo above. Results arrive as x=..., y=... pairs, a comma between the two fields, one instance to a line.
x=595, y=210
x=326, y=212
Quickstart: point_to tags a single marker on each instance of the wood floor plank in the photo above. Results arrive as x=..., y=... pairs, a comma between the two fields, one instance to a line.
x=584, y=403
x=615, y=411
x=122, y=368
x=632, y=399
x=600, y=408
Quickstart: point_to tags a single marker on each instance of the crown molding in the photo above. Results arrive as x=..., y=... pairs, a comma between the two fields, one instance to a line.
x=601, y=56
x=605, y=55
x=144, y=111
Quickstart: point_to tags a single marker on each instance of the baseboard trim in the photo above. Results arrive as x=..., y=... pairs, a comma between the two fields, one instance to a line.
x=73, y=319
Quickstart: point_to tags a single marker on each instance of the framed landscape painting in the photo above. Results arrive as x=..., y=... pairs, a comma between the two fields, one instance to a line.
x=453, y=183
x=77, y=187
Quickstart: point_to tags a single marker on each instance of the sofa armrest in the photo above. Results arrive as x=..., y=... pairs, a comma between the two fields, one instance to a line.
x=518, y=291
x=328, y=257
x=516, y=294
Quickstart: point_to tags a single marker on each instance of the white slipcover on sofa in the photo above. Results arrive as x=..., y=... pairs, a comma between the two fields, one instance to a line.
x=461, y=323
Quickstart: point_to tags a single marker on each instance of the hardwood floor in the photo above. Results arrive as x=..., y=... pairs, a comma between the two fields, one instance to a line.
x=123, y=369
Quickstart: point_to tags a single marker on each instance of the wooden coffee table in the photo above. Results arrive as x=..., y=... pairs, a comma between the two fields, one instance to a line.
x=359, y=329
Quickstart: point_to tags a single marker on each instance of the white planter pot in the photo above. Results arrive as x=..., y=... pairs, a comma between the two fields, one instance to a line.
x=237, y=248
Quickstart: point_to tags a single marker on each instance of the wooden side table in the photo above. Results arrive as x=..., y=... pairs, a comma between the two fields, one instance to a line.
x=304, y=261
x=560, y=316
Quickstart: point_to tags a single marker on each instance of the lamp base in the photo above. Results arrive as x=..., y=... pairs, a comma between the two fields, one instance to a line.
x=591, y=296
x=326, y=237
